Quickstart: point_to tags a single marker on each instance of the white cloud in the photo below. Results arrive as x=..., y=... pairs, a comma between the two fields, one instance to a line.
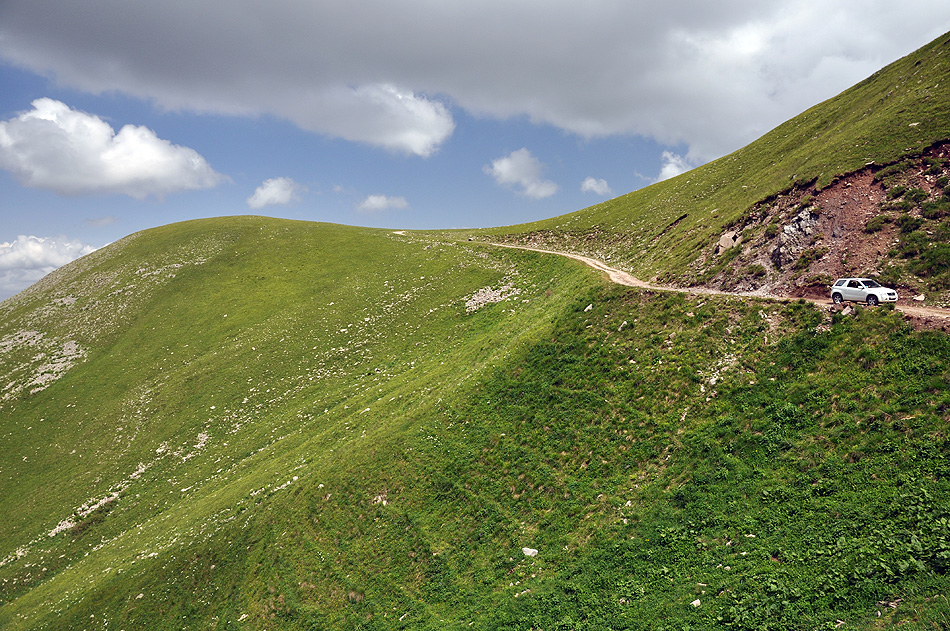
x=29, y=258
x=378, y=114
x=73, y=153
x=708, y=75
x=673, y=165
x=523, y=170
x=379, y=203
x=278, y=191
x=595, y=185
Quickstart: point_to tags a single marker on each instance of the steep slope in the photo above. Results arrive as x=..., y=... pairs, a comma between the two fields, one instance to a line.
x=575, y=455
x=160, y=389
x=246, y=423
x=673, y=231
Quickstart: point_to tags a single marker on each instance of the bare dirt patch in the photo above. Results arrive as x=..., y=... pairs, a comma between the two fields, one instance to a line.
x=797, y=242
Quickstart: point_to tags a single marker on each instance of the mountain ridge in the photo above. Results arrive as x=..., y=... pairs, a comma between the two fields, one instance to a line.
x=251, y=423
x=669, y=231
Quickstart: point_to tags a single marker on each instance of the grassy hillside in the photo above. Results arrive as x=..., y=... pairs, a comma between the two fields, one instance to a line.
x=206, y=365
x=661, y=231
x=248, y=423
x=288, y=467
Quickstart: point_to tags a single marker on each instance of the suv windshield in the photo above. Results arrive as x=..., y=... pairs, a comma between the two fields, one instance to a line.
x=870, y=283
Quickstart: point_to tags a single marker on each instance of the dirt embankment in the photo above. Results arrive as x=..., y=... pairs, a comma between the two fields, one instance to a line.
x=920, y=316
x=890, y=222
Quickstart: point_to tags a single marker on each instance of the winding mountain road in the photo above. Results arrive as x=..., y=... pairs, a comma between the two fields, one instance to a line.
x=623, y=278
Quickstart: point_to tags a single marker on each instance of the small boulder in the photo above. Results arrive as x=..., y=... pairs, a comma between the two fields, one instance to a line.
x=726, y=241
x=920, y=298
x=529, y=552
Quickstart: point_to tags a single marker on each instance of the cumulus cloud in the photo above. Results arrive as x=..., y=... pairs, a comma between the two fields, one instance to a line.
x=673, y=165
x=595, y=185
x=71, y=152
x=278, y=191
x=523, y=171
x=28, y=259
x=379, y=203
x=710, y=76
x=379, y=114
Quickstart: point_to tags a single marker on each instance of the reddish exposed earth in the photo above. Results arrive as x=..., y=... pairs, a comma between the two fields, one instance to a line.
x=920, y=316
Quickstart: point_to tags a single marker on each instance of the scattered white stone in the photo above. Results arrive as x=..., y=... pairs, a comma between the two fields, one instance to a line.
x=696, y=603
x=529, y=552
x=487, y=295
x=920, y=298
x=588, y=308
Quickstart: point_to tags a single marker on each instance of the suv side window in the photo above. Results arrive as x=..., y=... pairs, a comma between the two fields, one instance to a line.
x=854, y=283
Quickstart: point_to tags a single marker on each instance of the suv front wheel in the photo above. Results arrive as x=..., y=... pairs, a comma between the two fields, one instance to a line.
x=872, y=300
x=837, y=299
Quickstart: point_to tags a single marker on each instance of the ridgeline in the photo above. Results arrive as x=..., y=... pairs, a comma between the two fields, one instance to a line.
x=251, y=423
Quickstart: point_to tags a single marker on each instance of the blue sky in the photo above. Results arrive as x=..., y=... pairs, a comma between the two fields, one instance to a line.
x=116, y=117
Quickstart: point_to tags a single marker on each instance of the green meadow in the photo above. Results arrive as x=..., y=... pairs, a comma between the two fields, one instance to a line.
x=252, y=423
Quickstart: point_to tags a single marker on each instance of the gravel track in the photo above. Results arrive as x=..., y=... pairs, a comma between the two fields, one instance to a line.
x=623, y=278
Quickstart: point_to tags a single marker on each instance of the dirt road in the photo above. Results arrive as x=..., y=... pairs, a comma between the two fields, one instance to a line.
x=623, y=278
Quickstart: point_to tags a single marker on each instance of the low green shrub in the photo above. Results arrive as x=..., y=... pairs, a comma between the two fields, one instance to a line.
x=875, y=224
x=891, y=275
x=935, y=166
x=936, y=209
x=908, y=224
x=932, y=261
x=896, y=191
x=916, y=195
x=891, y=172
x=809, y=256
x=913, y=244
x=942, y=232
x=901, y=205
x=819, y=280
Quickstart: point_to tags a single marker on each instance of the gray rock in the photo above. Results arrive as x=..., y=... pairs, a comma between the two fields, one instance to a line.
x=794, y=238
x=726, y=241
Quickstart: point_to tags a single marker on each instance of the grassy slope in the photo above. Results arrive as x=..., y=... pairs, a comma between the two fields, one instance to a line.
x=898, y=111
x=275, y=351
x=304, y=429
x=638, y=445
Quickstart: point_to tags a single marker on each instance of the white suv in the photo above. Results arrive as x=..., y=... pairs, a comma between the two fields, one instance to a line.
x=861, y=290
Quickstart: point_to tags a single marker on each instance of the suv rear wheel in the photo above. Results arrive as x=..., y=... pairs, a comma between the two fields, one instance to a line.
x=836, y=298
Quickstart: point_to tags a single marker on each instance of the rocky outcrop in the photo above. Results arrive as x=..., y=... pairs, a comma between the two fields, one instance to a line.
x=794, y=238
x=726, y=241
